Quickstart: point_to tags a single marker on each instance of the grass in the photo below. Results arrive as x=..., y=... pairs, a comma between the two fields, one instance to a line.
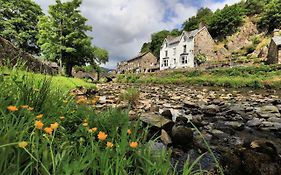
x=44, y=131
x=262, y=76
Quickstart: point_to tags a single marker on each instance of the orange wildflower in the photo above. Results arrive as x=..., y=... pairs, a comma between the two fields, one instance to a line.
x=29, y=108
x=134, y=144
x=38, y=124
x=129, y=131
x=62, y=117
x=39, y=116
x=102, y=135
x=54, y=126
x=109, y=145
x=12, y=108
x=22, y=144
x=48, y=130
x=24, y=106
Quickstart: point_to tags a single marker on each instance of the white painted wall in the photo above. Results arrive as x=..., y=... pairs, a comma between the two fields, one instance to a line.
x=175, y=60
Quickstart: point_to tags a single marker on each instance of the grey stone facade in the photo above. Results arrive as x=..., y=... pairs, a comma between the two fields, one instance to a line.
x=145, y=62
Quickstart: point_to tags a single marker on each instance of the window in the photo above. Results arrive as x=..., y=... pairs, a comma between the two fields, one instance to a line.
x=184, y=60
x=166, y=53
x=184, y=49
x=174, y=51
x=165, y=62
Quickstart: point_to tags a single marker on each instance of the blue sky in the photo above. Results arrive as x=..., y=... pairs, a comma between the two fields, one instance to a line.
x=122, y=26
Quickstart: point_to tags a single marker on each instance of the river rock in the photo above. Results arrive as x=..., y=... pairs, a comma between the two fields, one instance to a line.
x=211, y=109
x=182, y=136
x=165, y=138
x=154, y=120
x=235, y=125
x=268, y=111
x=167, y=114
x=189, y=104
x=254, y=122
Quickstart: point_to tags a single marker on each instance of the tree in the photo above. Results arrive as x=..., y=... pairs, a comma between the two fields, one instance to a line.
x=62, y=36
x=145, y=47
x=226, y=21
x=271, y=17
x=255, y=6
x=102, y=57
x=157, y=40
x=203, y=15
x=18, y=21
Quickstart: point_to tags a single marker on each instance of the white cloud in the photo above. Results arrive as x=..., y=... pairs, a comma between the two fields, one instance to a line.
x=122, y=26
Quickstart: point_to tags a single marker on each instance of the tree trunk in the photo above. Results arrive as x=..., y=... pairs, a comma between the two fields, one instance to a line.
x=68, y=70
x=98, y=76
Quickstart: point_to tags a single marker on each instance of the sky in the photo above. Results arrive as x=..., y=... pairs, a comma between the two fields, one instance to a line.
x=122, y=26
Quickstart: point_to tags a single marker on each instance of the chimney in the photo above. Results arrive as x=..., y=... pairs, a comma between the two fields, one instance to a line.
x=201, y=25
x=276, y=32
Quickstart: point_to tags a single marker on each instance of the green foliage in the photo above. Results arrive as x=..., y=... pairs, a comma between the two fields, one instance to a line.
x=145, y=47
x=157, y=40
x=200, y=59
x=18, y=21
x=203, y=15
x=72, y=148
x=253, y=76
x=255, y=6
x=226, y=21
x=271, y=16
x=63, y=37
x=131, y=95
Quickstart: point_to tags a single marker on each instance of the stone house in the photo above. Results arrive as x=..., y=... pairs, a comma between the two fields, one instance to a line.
x=181, y=51
x=144, y=62
x=274, y=51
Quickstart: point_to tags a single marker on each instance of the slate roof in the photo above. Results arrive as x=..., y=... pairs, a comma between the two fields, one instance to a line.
x=173, y=40
x=277, y=40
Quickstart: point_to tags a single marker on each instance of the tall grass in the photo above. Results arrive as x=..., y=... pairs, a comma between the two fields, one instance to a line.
x=46, y=132
x=262, y=76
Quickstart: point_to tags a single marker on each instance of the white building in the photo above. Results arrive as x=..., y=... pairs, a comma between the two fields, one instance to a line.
x=179, y=52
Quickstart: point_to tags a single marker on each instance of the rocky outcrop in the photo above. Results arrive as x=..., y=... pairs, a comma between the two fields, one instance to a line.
x=242, y=38
x=10, y=55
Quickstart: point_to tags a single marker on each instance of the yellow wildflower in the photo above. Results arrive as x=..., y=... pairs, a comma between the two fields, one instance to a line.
x=134, y=144
x=62, y=117
x=54, y=126
x=85, y=124
x=39, y=116
x=22, y=144
x=94, y=129
x=102, y=135
x=81, y=101
x=38, y=124
x=24, y=106
x=12, y=108
x=109, y=145
x=48, y=130
x=65, y=101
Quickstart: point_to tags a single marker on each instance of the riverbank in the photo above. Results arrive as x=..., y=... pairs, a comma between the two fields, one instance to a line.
x=263, y=76
x=243, y=127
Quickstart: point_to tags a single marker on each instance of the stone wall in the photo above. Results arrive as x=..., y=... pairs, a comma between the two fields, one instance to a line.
x=10, y=55
x=204, y=44
x=141, y=64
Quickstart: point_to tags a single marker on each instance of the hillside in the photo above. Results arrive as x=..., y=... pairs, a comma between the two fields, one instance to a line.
x=242, y=31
